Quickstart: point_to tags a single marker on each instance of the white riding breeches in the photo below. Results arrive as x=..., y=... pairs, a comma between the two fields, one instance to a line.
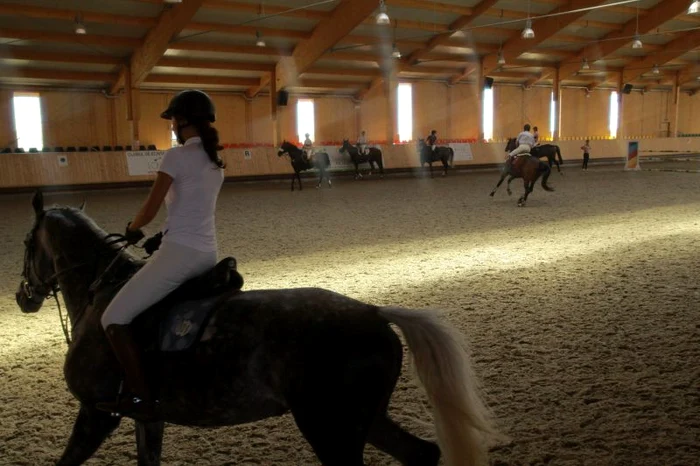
x=521, y=149
x=433, y=147
x=170, y=266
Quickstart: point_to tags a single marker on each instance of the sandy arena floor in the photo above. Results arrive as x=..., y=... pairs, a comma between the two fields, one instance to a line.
x=581, y=309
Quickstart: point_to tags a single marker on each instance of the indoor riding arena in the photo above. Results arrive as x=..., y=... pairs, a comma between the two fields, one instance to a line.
x=577, y=306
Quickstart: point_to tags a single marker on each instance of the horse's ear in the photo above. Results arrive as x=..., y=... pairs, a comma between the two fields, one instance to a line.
x=38, y=202
x=82, y=206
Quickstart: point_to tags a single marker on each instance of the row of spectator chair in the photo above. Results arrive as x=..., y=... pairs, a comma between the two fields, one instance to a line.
x=34, y=150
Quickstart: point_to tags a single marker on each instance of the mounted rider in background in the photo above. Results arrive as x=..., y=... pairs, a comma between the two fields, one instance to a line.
x=524, y=144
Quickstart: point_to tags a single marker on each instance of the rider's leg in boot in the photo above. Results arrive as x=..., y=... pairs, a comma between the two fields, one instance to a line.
x=137, y=400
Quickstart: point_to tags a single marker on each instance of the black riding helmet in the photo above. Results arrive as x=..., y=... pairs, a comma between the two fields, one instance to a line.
x=191, y=104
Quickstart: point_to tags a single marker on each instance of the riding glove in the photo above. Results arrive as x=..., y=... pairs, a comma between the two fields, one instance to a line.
x=133, y=236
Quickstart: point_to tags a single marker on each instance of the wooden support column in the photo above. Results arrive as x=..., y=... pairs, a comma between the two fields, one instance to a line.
x=390, y=93
x=557, y=103
x=620, y=101
x=449, y=107
x=673, y=110
x=248, y=119
x=273, y=110
x=480, y=98
x=133, y=108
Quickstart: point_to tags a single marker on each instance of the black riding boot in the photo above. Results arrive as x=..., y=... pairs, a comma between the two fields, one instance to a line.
x=136, y=400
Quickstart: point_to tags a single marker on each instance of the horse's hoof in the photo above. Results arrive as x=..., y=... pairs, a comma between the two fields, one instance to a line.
x=492, y=194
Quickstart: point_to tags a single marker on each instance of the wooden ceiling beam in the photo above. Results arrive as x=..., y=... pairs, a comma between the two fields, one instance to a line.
x=180, y=62
x=22, y=53
x=28, y=11
x=545, y=29
x=432, y=6
x=170, y=22
x=198, y=79
x=247, y=30
x=87, y=39
x=59, y=75
x=329, y=84
x=376, y=82
x=233, y=49
x=253, y=91
x=674, y=49
x=463, y=74
x=225, y=5
x=345, y=17
x=655, y=17
x=363, y=72
x=444, y=36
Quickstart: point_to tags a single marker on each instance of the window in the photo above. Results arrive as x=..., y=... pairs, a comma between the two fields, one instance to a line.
x=305, y=119
x=552, y=116
x=27, y=110
x=488, y=114
x=405, y=112
x=613, y=114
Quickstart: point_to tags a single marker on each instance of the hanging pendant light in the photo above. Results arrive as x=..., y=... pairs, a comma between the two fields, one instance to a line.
x=501, y=58
x=585, y=65
x=694, y=8
x=637, y=42
x=260, y=42
x=656, y=69
x=382, y=17
x=528, y=32
x=79, y=26
x=395, y=53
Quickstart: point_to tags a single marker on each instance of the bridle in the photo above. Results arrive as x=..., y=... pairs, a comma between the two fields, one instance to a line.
x=46, y=289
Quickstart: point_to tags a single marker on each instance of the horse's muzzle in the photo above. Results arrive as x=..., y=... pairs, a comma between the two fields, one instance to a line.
x=27, y=302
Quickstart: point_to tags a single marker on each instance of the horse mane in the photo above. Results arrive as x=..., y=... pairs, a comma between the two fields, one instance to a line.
x=82, y=221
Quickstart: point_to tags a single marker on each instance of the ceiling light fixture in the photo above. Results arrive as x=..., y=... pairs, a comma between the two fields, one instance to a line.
x=637, y=42
x=694, y=8
x=501, y=58
x=528, y=32
x=260, y=42
x=79, y=26
x=396, y=53
x=382, y=17
x=585, y=65
x=172, y=1
x=656, y=69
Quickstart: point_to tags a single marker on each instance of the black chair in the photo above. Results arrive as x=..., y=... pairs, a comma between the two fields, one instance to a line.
x=59, y=149
x=70, y=149
x=19, y=150
x=47, y=149
x=6, y=150
x=33, y=150
x=142, y=147
x=118, y=148
x=152, y=147
x=106, y=148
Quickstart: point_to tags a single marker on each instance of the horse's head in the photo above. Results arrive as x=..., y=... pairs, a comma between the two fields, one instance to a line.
x=38, y=273
x=511, y=144
x=284, y=148
x=345, y=146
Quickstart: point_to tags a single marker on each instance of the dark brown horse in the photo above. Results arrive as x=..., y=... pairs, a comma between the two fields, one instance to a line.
x=551, y=151
x=442, y=154
x=373, y=156
x=300, y=162
x=329, y=360
x=528, y=168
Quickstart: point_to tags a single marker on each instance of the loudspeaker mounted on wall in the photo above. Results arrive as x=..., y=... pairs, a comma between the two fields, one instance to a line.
x=282, y=98
x=627, y=88
x=488, y=82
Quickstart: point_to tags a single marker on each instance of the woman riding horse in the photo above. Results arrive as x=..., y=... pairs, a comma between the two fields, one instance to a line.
x=300, y=162
x=372, y=156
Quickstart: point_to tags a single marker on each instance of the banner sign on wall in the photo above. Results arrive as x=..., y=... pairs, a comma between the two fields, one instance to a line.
x=143, y=162
x=632, y=162
x=463, y=150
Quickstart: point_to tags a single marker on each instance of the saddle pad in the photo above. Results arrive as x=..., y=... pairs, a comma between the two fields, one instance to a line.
x=185, y=322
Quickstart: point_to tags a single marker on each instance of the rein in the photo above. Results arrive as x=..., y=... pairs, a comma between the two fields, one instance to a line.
x=51, y=283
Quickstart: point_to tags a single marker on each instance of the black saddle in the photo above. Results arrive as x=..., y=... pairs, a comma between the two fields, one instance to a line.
x=177, y=321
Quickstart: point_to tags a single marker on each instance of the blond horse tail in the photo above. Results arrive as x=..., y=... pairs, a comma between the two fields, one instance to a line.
x=462, y=420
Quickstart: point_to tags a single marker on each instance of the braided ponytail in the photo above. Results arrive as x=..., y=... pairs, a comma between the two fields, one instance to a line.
x=210, y=142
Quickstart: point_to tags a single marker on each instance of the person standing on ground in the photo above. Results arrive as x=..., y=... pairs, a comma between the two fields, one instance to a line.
x=586, y=148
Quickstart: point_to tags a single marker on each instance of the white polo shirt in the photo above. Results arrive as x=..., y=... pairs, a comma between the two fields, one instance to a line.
x=191, y=199
x=526, y=137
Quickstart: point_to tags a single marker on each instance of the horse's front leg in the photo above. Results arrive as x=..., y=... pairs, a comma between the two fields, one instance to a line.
x=523, y=198
x=430, y=166
x=91, y=428
x=508, y=185
x=149, y=442
x=503, y=177
x=320, y=178
x=444, y=167
x=299, y=178
x=358, y=175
